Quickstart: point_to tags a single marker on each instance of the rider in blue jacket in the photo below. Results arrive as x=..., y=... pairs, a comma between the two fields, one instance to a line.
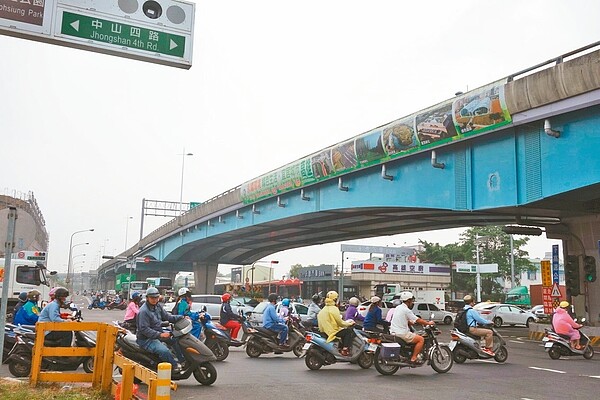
x=29, y=313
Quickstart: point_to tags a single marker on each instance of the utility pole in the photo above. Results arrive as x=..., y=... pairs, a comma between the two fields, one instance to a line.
x=10, y=243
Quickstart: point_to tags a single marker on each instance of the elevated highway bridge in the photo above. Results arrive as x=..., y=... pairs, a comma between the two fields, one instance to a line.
x=522, y=150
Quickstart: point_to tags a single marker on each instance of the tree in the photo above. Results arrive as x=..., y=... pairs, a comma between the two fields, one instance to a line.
x=295, y=271
x=494, y=247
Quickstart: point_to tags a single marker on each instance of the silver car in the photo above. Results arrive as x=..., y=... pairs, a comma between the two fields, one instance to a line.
x=431, y=312
x=506, y=314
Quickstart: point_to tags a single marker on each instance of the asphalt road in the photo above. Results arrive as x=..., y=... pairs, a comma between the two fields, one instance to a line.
x=528, y=374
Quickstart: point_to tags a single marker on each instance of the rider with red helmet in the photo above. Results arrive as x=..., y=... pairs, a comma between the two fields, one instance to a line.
x=228, y=318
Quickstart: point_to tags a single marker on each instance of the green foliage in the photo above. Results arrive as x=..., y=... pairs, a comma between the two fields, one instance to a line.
x=295, y=270
x=494, y=247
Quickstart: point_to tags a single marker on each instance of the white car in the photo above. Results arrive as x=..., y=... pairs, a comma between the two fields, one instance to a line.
x=386, y=306
x=506, y=314
x=213, y=305
x=427, y=310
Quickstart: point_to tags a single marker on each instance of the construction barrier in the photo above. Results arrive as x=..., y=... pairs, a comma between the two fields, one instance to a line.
x=159, y=383
x=100, y=378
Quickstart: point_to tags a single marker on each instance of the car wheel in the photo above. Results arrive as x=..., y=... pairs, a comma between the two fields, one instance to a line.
x=497, y=322
x=529, y=321
x=448, y=320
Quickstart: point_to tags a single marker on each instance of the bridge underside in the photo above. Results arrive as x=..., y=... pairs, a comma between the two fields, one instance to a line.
x=249, y=244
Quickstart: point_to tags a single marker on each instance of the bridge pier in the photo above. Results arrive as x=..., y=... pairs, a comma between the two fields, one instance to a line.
x=205, y=276
x=582, y=238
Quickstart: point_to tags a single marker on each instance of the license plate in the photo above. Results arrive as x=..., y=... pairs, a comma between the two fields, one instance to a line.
x=548, y=345
x=306, y=346
x=452, y=345
x=372, y=347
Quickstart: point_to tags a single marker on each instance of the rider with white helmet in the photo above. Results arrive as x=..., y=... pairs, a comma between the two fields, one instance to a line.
x=352, y=310
x=403, y=317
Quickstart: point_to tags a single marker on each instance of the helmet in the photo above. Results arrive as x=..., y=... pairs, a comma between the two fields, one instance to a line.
x=61, y=293
x=468, y=299
x=51, y=293
x=354, y=301
x=332, y=295
x=152, y=292
x=136, y=296
x=33, y=295
x=376, y=299
x=23, y=296
x=564, y=304
x=406, y=296
x=272, y=298
x=183, y=291
x=316, y=298
x=285, y=302
x=226, y=297
x=396, y=302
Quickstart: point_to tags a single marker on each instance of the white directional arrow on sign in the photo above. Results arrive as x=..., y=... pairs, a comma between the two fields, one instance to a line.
x=75, y=25
x=172, y=44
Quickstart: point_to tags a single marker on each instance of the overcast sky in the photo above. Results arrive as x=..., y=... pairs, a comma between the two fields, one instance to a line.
x=91, y=135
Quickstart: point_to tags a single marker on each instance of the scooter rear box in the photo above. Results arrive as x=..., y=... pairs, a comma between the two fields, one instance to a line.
x=390, y=350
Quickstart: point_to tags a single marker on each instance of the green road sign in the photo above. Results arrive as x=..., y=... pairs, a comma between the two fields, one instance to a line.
x=122, y=35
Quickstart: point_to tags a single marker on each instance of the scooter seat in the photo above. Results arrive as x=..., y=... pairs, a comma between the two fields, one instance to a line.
x=266, y=331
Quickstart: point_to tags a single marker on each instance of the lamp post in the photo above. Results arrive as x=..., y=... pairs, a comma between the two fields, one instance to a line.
x=183, y=155
x=70, y=265
x=127, y=231
x=252, y=268
x=478, y=240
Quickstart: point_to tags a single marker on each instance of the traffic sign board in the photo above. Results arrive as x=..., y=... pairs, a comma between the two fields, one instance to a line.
x=472, y=268
x=556, y=291
x=546, y=273
x=121, y=35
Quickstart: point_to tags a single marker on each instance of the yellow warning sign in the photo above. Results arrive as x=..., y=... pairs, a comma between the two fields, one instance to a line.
x=546, y=273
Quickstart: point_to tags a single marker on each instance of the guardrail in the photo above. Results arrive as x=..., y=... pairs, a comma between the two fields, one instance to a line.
x=100, y=378
x=159, y=383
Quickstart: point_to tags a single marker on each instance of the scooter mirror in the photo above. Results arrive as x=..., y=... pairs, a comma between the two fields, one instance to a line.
x=431, y=316
x=203, y=309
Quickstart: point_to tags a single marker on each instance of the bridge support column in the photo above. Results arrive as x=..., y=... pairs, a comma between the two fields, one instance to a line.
x=582, y=238
x=205, y=276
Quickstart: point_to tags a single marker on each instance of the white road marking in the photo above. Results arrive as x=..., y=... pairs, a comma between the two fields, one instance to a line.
x=525, y=398
x=592, y=376
x=516, y=341
x=549, y=370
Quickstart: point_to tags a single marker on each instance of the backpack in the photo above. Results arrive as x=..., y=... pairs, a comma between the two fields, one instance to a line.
x=460, y=323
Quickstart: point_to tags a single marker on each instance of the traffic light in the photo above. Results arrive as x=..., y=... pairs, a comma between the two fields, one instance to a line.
x=589, y=269
x=572, y=276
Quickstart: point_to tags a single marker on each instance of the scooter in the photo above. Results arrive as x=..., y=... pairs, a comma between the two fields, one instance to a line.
x=101, y=304
x=560, y=345
x=394, y=353
x=265, y=341
x=217, y=338
x=10, y=337
x=122, y=305
x=319, y=352
x=467, y=346
x=20, y=357
x=197, y=355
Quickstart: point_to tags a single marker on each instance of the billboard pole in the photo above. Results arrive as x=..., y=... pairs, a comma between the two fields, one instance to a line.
x=10, y=242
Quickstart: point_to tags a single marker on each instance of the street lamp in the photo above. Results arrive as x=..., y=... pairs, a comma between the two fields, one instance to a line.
x=127, y=231
x=252, y=268
x=183, y=155
x=478, y=240
x=70, y=265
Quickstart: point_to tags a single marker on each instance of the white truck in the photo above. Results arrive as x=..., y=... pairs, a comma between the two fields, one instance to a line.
x=25, y=275
x=436, y=297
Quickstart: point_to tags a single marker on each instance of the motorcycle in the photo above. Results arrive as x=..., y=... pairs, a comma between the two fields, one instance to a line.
x=122, y=305
x=394, y=353
x=467, y=346
x=10, y=337
x=560, y=345
x=197, y=355
x=264, y=341
x=319, y=352
x=20, y=357
x=101, y=304
x=217, y=338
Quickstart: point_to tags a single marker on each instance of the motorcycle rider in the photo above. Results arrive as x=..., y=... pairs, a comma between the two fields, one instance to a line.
x=228, y=318
x=284, y=310
x=331, y=323
x=403, y=317
x=474, y=318
x=374, y=317
x=133, y=308
x=352, y=311
x=563, y=324
x=51, y=313
x=29, y=313
x=20, y=303
x=313, y=311
x=273, y=322
x=184, y=307
x=150, y=335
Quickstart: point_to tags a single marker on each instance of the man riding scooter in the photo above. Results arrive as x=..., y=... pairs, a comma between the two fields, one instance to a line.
x=51, y=313
x=474, y=318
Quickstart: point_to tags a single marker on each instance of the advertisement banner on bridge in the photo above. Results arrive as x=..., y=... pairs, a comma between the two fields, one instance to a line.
x=476, y=112
x=385, y=267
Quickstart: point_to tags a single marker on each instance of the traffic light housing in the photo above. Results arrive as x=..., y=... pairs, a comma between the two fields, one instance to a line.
x=589, y=269
x=572, y=276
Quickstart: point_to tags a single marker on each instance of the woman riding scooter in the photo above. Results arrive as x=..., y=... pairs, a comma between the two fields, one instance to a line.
x=330, y=322
x=352, y=311
x=563, y=324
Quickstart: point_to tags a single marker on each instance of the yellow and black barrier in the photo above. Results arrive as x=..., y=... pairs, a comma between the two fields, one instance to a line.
x=159, y=383
x=100, y=378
